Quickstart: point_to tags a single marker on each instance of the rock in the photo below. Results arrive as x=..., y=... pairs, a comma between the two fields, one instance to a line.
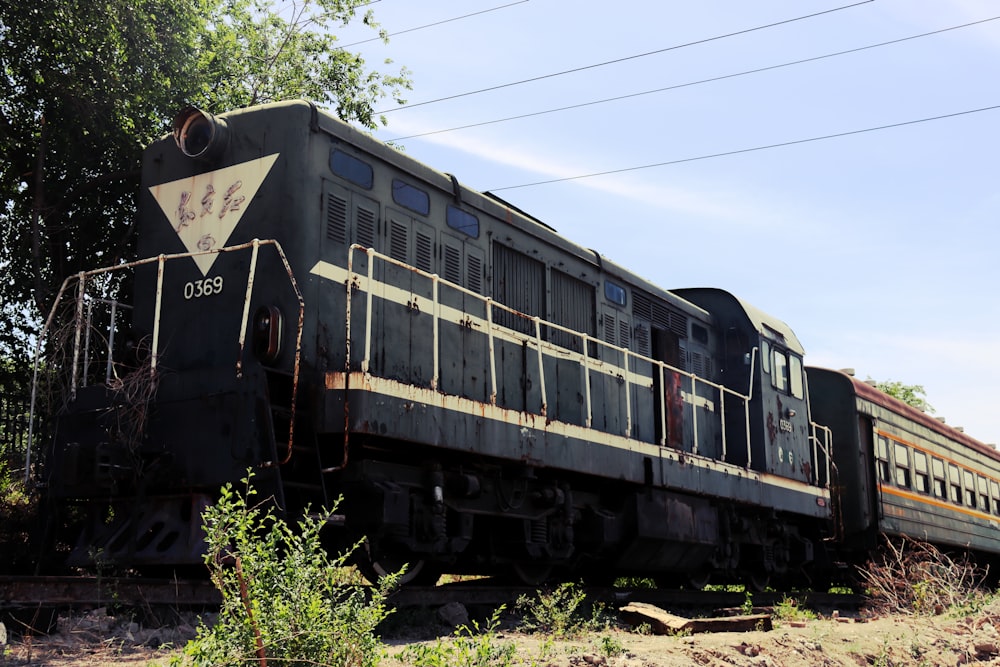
x=454, y=614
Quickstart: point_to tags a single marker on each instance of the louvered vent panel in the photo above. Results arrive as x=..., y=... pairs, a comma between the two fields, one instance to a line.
x=366, y=227
x=610, y=326
x=398, y=234
x=697, y=364
x=642, y=307
x=642, y=340
x=336, y=219
x=452, y=264
x=624, y=334
x=424, y=252
x=475, y=273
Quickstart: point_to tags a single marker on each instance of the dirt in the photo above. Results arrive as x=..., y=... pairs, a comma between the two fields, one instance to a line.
x=98, y=639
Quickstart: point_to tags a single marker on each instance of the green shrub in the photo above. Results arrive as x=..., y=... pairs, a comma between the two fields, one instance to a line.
x=283, y=596
x=558, y=612
x=475, y=647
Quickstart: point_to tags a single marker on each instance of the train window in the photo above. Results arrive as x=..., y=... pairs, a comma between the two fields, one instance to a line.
x=882, y=458
x=795, y=375
x=352, y=169
x=984, y=496
x=902, y=456
x=970, y=488
x=779, y=365
x=614, y=293
x=955, y=482
x=937, y=467
x=995, y=495
x=463, y=222
x=920, y=477
x=765, y=356
x=411, y=197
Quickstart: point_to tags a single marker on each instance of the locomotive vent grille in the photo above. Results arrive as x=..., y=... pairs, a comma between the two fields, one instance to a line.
x=366, y=227
x=659, y=315
x=475, y=269
x=398, y=241
x=424, y=252
x=336, y=219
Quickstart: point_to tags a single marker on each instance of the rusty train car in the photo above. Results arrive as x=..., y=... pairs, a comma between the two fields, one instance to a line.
x=485, y=395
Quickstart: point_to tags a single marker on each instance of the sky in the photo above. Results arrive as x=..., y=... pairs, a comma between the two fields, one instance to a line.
x=771, y=180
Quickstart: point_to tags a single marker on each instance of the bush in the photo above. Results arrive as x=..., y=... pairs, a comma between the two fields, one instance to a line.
x=475, y=647
x=283, y=597
x=911, y=577
x=558, y=612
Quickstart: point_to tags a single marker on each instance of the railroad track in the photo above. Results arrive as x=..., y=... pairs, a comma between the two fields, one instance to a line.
x=38, y=598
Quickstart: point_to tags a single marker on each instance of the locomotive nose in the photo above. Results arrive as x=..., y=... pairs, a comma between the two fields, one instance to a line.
x=199, y=134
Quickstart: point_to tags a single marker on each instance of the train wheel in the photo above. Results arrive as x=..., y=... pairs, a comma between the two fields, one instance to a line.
x=531, y=574
x=756, y=582
x=419, y=572
x=698, y=580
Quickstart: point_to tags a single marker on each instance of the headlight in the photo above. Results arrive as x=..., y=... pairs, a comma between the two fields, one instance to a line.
x=199, y=134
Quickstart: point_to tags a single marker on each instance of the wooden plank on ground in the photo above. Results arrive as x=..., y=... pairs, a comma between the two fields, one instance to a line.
x=665, y=623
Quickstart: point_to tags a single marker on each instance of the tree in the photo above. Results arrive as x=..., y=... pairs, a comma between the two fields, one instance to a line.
x=86, y=84
x=911, y=394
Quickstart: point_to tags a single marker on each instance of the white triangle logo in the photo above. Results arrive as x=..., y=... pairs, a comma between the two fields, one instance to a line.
x=205, y=209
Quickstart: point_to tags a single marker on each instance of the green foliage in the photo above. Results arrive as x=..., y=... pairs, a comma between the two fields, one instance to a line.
x=913, y=395
x=475, y=647
x=788, y=609
x=283, y=596
x=610, y=646
x=86, y=85
x=558, y=612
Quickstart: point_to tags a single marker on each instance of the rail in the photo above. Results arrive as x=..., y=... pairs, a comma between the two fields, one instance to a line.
x=82, y=324
x=626, y=370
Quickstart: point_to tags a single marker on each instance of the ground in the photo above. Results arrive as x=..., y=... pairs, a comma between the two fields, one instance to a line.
x=97, y=639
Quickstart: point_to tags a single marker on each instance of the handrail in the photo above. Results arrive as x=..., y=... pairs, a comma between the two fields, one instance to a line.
x=160, y=260
x=542, y=346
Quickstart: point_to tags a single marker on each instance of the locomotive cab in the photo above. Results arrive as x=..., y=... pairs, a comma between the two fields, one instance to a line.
x=762, y=358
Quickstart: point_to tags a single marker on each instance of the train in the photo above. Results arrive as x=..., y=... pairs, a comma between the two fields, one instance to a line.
x=474, y=392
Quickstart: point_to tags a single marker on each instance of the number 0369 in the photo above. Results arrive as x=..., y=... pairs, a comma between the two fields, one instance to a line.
x=200, y=288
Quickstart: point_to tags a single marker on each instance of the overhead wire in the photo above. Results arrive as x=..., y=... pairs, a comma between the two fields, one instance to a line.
x=436, y=23
x=746, y=150
x=692, y=83
x=623, y=59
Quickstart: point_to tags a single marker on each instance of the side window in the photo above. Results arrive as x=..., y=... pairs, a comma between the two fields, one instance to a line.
x=411, y=197
x=765, y=356
x=882, y=458
x=995, y=495
x=970, y=487
x=614, y=293
x=902, y=455
x=463, y=222
x=940, y=485
x=920, y=477
x=351, y=168
x=955, y=483
x=779, y=370
x=984, y=494
x=795, y=376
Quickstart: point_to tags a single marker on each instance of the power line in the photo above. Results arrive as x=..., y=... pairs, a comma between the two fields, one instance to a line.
x=693, y=83
x=436, y=23
x=624, y=59
x=746, y=150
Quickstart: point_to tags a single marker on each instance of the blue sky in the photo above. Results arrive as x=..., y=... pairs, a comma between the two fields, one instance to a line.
x=878, y=248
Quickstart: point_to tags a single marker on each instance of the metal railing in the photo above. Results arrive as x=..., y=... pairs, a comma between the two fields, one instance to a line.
x=367, y=284
x=82, y=324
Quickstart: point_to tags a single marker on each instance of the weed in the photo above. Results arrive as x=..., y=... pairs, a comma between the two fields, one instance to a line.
x=611, y=646
x=788, y=609
x=283, y=598
x=557, y=612
x=475, y=647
